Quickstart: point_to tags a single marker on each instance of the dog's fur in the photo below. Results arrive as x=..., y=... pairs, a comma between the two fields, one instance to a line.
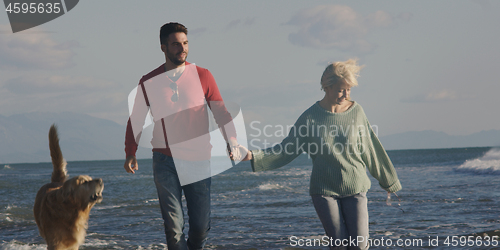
x=62, y=207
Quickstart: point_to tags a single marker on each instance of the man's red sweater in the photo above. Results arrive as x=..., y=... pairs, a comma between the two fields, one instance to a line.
x=181, y=128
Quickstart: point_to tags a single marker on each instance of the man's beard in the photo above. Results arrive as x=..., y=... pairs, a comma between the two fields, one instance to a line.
x=174, y=59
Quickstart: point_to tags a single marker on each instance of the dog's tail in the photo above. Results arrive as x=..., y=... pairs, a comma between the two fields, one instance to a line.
x=59, y=173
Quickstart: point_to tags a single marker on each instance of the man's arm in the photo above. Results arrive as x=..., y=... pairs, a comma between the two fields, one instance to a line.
x=222, y=116
x=133, y=133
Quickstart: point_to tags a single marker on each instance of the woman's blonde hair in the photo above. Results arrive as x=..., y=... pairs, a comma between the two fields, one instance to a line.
x=347, y=71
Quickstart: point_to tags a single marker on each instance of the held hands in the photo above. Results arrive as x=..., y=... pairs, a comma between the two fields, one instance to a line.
x=131, y=165
x=238, y=152
x=248, y=154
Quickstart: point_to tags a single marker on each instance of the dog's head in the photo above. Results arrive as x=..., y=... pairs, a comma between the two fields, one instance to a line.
x=82, y=191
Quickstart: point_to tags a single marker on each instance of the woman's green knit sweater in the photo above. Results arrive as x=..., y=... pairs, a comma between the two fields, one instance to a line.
x=342, y=147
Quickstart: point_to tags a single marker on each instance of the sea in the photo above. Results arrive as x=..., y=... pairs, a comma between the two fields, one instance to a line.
x=450, y=197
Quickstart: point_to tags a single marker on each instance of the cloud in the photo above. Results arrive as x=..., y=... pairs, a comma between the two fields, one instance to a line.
x=379, y=19
x=443, y=95
x=337, y=27
x=34, y=50
x=239, y=22
x=197, y=32
x=405, y=17
x=433, y=96
x=37, y=84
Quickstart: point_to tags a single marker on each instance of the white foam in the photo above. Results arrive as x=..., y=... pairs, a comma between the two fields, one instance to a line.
x=98, y=242
x=16, y=245
x=155, y=246
x=270, y=186
x=152, y=200
x=107, y=207
x=262, y=187
x=487, y=164
x=99, y=207
x=10, y=207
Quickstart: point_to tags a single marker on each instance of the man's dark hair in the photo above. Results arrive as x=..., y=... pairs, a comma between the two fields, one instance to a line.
x=170, y=28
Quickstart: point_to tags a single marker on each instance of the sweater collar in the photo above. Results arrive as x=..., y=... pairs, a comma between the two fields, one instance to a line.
x=354, y=105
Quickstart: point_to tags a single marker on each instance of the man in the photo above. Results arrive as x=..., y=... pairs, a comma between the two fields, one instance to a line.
x=177, y=94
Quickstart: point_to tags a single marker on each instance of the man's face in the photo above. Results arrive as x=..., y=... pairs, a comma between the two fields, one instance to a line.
x=176, y=48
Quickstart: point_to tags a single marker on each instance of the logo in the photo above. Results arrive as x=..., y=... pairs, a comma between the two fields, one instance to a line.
x=25, y=15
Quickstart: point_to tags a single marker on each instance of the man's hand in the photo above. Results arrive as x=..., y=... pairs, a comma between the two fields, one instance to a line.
x=239, y=153
x=232, y=146
x=131, y=165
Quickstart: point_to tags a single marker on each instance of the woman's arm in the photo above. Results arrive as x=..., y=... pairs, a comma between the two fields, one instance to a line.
x=280, y=154
x=378, y=162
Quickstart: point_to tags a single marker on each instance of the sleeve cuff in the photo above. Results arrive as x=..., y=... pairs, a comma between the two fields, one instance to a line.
x=256, y=160
x=393, y=188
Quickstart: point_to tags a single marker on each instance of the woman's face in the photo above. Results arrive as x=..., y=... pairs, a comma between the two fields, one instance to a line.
x=338, y=93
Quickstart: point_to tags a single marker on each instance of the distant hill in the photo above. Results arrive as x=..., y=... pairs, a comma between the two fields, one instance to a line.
x=23, y=138
x=433, y=139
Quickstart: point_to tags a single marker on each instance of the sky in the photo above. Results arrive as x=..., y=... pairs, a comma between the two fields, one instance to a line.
x=428, y=65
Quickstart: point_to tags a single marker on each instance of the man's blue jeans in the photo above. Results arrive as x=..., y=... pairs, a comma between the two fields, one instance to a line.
x=170, y=195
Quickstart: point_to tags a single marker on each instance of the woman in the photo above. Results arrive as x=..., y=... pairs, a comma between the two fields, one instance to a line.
x=338, y=137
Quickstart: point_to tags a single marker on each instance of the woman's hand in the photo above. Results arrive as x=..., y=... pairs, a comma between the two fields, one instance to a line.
x=248, y=154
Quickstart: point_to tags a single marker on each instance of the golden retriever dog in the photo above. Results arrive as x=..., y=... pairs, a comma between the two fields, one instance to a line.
x=62, y=207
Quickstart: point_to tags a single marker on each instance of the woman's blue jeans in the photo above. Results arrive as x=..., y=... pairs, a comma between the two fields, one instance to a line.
x=344, y=218
x=170, y=195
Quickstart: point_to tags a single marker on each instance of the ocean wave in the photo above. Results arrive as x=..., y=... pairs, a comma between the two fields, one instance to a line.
x=5, y=217
x=17, y=245
x=9, y=207
x=489, y=163
x=124, y=205
x=109, y=207
x=269, y=186
x=98, y=242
